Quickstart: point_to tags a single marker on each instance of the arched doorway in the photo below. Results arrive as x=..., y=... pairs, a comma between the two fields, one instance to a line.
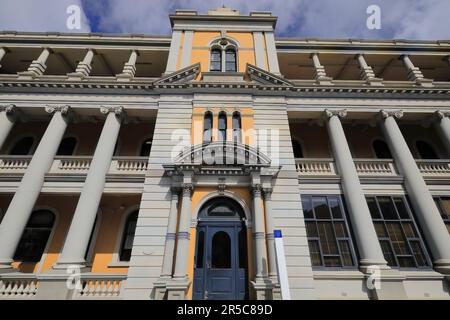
x=220, y=265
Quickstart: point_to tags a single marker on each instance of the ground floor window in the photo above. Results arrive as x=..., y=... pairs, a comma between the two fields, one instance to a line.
x=443, y=204
x=329, y=238
x=397, y=232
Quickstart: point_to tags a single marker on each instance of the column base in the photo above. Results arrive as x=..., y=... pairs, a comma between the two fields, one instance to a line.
x=263, y=288
x=160, y=288
x=177, y=289
x=55, y=286
x=385, y=284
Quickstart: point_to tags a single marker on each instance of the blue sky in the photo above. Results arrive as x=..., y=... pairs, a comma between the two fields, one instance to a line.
x=400, y=19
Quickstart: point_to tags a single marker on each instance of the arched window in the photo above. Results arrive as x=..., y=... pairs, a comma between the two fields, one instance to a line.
x=223, y=56
x=297, y=148
x=221, y=251
x=216, y=60
x=230, y=60
x=207, y=127
x=146, y=147
x=67, y=146
x=381, y=149
x=237, y=127
x=22, y=147
x=128, y=237
x=35, y=236
x=425, y=150
x=222, y=126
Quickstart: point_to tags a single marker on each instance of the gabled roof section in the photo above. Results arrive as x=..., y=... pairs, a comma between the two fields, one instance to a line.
x=265, y=77
x=181, y=76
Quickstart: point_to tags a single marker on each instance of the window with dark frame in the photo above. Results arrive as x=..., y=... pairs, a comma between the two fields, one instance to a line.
x=443, y=204
x=425, y=150
x=35, y=236
x=207, y=127
x=329, y=238
x=128, y=237
x=222, y=126
x=381, y=149
x=22, y=147
x=237, y=127
x=230, y=60
x=67, y=146
x=216, y=60
x=146, y=147
x=397, y=232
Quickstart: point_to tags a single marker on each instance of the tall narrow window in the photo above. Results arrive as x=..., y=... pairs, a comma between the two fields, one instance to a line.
x=216, y=60
x=207, y=127
x=425, y=150
x=329, y=240
x=221, y=251
x=297, y=148
x=222, y=126
x=237, y=128
x=67, y=146
x=443, y=204
x=397, y=232
x=381, y=149
x=22, y=147
x=128, y=237
x=146, y=147
x=230, y=60
x=35, y=236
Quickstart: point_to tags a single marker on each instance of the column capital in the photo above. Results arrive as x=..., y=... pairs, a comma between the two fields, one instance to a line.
x=8, y=108
x=64, y=109
x=342, y=113
x=441, y=114
x=118, y=110
x=396, y=114
x=187, y=189
x=256, y=189
x=267, y=193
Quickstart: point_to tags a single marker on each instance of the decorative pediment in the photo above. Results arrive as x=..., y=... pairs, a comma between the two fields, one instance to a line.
x=181, y=76
x=265, y=77
x=222, y=154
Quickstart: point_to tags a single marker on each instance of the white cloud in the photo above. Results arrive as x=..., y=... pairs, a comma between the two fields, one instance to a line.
x=38, y=15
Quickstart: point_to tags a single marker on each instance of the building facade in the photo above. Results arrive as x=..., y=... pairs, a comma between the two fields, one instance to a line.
x=149, y=167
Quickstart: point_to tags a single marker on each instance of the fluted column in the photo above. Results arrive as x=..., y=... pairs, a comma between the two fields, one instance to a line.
x=259, y=234
x=183, y=233
x=170, y=236
x=84, y=68
x=360, y=218
x=442, y=125
x=83, y=220
x=427, y=213
x=24, y=199
x=320, y=75
x=270, y=239
x=414, y=73
x=7, y=118
x=129, y=69
x=366, y=71
x=38, y=66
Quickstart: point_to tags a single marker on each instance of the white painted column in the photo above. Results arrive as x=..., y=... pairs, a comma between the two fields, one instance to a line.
x=320, y=75
x=182, y=254
x=258, y=42
x=2, y=54
x=442, y=125
x=24, y=199
x=430, y=220
x=364, y=231
x=173, y=52
x=129, y=69
x=7, y=118
x=84, y=68
x=83, y=220
x=259, y=234
x=170, y=236
x=270, y=239
x=187, y=49
x=272, y=57
x=37, y=67
x=414, y=73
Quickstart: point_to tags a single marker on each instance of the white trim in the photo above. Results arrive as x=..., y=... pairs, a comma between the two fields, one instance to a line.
x=115, y=260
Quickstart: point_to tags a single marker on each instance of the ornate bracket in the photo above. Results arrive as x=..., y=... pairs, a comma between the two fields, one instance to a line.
x=397, y=114
x=342, y=113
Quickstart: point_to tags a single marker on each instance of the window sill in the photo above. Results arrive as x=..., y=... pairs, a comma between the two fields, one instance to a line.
x=337, y=274
x=119, y=264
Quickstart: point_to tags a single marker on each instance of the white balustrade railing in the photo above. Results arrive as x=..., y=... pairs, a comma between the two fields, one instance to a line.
x=315, y=167
x=434, y=167
x=75, y=165
x=20, y=287
x=375, y=167
x=98, y=287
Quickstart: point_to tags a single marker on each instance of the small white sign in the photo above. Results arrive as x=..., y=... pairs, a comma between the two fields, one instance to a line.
x=281, y=264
